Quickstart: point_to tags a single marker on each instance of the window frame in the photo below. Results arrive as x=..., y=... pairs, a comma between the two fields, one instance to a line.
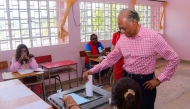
x=85, y=35
x=53, y=39
x=154, y=17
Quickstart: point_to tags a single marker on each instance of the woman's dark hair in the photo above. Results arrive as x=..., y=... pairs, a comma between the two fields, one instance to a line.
x=18, y=52
x=120, y=88
x=92, y=36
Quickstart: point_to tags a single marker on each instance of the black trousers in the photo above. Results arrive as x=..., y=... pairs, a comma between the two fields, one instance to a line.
x=148, y=96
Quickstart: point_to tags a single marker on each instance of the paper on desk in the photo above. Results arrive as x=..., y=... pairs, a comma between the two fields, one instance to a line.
x=26, y=71
x=39, y=70
x=35, y=105
x=89, y=87
x=14, y=92
x=104, y=57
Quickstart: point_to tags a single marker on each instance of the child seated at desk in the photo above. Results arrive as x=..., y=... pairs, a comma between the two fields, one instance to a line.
x=24, y=60
x=125, y=95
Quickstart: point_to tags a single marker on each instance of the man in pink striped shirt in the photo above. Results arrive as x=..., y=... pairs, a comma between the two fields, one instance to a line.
x=139, y=47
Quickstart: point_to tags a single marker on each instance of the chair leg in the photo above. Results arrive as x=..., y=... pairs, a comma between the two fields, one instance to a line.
x=60, y=82
x=81, y=77
x=43, y=94
x=55, y=83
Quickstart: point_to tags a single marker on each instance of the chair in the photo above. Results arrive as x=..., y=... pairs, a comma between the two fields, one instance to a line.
x=82, y=54
x=108, y=75
x=108, y=49
x=3, y=65
x=53, y=74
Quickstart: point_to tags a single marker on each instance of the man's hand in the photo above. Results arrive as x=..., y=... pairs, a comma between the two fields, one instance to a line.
x=151, y=84
x=85, y=75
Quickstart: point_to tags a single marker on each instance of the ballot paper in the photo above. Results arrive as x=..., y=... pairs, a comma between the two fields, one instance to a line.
x=26, y=71
x=14, y=92
x=89, y=86
x=35, y=105
x=79, y=100
x=104, y=57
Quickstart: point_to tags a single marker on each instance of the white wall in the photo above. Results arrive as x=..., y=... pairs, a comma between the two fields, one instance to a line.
x=177, y=27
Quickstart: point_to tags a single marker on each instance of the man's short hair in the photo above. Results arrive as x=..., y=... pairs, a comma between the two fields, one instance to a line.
x=132, y=14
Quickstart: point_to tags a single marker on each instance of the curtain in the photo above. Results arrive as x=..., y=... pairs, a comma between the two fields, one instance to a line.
x=133, y=4
x=160, y=22
x=62, y=32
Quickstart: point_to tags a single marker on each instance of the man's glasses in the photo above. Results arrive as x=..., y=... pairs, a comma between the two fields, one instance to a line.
x=124, y=28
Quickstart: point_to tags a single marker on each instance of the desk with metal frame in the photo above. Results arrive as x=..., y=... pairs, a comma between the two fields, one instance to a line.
x=60, y=64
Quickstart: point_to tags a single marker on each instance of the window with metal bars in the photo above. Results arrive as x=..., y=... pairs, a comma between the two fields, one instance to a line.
x=149, y=16
x=31, y=22
x=99, y=18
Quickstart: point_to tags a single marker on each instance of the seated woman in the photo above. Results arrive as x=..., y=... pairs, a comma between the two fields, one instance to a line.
x=95, y=49
x=24, y=60
x=125, y=95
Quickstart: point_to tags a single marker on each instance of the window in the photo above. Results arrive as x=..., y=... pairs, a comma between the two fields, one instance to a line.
x=32, y=22
x=149, y=16
x=99, y=18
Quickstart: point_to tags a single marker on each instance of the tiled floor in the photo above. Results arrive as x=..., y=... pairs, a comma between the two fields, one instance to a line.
x=183, y=100
x=174, y=94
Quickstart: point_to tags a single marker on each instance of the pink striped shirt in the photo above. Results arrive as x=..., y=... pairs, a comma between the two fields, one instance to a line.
x=140, y=54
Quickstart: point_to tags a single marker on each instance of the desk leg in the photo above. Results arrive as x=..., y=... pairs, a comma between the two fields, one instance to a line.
x=99, y=77
x=49, y=80
x=92, y=75
x=77, y=74
x=90, y=64
x=69, y=80
x=44, y=90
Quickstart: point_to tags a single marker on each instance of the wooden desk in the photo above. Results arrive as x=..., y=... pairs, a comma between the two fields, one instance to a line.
x=16, y=75
x=11, y=104
x=60, y=64
x=96, y=59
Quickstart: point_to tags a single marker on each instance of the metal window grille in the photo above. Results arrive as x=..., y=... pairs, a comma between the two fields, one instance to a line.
x=31, y=22
x=149, y=16
x=99, y=18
